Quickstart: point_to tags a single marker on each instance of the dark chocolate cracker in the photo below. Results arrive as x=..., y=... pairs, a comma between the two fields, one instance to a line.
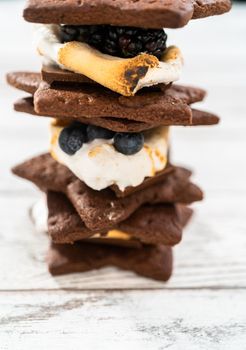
x=170, y=107
x=25, y=105
x=206, y=8
x=65, y=225
x=51, y=74
x=150, y=224
x=102, y=209
x=183, y=95
x=45, y=173
x=141, y=13
x=150, y=261
x=119, y=125
x=200, y=118
x=25, y=81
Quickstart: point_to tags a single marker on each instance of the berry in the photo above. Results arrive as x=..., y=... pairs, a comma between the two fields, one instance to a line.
x=118, y=41
x=71, y=138
x=128, y=144
x=96, y=132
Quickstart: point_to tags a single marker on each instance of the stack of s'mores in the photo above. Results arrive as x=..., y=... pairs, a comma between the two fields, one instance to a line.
x=114, y=197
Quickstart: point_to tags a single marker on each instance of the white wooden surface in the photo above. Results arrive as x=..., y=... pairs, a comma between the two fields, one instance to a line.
x=203, y=306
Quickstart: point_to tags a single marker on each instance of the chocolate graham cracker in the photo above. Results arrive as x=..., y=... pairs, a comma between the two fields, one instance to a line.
x=150, y=261
x=167, y=108
x=176, y=188
x=107, y=109
x=141, y=13
x=118, y=125
x=150, y=224
x=102, y=209
x=25, y=81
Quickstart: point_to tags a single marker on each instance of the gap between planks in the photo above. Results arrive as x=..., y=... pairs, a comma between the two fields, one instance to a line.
x=116, y=290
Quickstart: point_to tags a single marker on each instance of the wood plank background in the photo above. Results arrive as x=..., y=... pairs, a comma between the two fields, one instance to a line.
x=203, y=306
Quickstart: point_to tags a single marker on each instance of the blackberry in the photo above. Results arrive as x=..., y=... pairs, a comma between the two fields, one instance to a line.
x=123, y=42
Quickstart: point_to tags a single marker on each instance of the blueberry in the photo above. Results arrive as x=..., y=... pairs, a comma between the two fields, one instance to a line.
x=96, y=132
x=71, y=138
x=128, y=144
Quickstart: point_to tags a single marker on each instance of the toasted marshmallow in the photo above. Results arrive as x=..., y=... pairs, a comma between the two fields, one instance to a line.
x=125, y=76
x=100, y=165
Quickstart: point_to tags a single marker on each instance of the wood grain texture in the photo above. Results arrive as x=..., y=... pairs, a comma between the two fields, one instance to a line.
x=118, y=320
x=203, y=306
